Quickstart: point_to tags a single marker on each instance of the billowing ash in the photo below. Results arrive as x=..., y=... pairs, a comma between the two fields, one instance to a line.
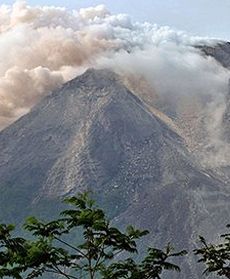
x=43, y=47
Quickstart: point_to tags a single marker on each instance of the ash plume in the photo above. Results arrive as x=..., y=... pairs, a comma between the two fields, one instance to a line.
x=42, y=47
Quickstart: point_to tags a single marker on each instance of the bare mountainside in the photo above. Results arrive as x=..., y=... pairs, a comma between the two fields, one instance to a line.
x=220, y=51
x=94, y=134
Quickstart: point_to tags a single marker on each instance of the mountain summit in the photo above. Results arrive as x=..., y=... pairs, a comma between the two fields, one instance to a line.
x=94, y=134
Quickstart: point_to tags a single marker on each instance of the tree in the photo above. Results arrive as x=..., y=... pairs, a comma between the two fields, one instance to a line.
x=10, y=249
x=102, y=250
x=216, y=257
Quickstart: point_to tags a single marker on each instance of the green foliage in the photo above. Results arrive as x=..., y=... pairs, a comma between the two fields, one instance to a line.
x=10, y=249
x=151, y=267
x=216, y=257
x=103, y=252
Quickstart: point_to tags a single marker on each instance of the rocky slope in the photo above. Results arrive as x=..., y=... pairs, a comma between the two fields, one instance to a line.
x=93, y=133
x=219, y=51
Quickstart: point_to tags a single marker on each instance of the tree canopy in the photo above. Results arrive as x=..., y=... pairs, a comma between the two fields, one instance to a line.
x=100, y=250
x=216, y=257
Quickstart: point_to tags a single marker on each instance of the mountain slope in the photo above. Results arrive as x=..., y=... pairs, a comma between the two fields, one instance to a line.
x=220, y=51
x=93, y=133
x=88, y=128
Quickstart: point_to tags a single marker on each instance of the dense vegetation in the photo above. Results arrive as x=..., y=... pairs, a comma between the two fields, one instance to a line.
x=101, y=250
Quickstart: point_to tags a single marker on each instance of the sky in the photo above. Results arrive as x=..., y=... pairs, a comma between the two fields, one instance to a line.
x=197, y=17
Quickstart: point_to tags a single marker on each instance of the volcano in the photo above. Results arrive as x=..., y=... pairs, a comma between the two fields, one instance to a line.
x=94, y=134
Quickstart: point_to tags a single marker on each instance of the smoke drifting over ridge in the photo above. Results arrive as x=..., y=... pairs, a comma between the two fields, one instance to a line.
x=43, y=47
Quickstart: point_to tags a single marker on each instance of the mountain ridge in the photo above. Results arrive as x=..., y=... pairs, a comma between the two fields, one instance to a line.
x=95, y=134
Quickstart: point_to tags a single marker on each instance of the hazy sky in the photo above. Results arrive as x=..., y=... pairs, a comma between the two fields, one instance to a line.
x=198, y=17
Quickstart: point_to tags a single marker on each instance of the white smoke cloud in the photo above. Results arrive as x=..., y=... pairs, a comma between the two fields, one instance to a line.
x=43, y=47
x=188, y=87
x=171, y=69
